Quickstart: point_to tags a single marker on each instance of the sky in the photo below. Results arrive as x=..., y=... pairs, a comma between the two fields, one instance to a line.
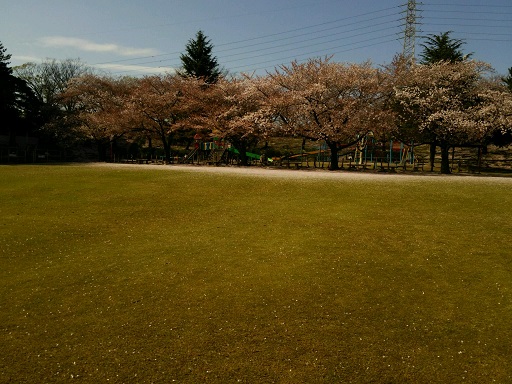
x=144, y=37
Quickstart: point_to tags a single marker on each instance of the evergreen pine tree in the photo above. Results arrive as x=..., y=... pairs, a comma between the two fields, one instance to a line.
x=442, y=48
x=7, y=82
x=198, y=60
x=17, y=104
x=8, y=87
x=4, y=61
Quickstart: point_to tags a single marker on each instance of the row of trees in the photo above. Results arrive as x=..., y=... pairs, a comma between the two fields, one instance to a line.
x=444, y=101
x=35, y=99
x=444, y=104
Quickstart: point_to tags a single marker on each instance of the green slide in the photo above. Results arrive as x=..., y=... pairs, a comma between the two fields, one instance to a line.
x=248, y=154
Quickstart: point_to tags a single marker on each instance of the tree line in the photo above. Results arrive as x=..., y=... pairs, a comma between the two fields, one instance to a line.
x=446, y=100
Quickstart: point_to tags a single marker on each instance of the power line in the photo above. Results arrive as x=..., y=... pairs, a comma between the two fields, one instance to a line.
x=468, y=25
x=471, y=12
x=295, y=45
x=316, y=25
x=231, y=16
x=466, y=19
x=321, y=36
x=306, y=56
x=230, y=44
x=308, y=41
x=465, y=4
x=255, y=66
x=322, y=30
x=325, y=50
x=475, y=33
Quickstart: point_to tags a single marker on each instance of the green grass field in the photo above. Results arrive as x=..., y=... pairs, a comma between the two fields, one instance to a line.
x=132, y=275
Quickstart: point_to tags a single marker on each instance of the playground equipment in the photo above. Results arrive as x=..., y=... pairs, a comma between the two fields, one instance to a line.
x=218, y=152
x=366, y=153
x=394, y=152
x=252, y=156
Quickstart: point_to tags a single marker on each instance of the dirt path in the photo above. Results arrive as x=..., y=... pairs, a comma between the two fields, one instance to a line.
x=307, y=173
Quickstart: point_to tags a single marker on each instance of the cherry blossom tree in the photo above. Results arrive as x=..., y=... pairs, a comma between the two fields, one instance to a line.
x=438, y=48
x=159, y=103
x=234, y=110
x=335, y=102
x=504, y=136
x=100, y=108
x=496, y=111
x=449, y=104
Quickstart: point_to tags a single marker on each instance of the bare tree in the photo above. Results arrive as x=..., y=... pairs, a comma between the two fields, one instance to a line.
x=49, y=80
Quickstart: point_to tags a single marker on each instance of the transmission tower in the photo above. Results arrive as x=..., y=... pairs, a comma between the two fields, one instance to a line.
x=410, y=31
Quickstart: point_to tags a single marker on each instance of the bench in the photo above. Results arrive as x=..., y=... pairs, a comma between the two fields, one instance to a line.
x=297, y=164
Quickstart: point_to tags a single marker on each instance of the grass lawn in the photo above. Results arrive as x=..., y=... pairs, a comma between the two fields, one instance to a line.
x=139, y=276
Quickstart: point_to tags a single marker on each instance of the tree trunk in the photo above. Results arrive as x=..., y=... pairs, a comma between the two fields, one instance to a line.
x=102, y=149
x=149, y=155
x=432, y=155
x=167, y=149
x=334, y=156
x=113, y=150
x=445, y=158
x=242, y=149
x=480, y=152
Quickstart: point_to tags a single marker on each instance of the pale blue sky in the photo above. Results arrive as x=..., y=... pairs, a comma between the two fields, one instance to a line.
x=145, y=37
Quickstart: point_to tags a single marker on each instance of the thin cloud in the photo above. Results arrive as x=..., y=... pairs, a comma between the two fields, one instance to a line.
x=133, y=69
x=26, y=59
x=90, y=46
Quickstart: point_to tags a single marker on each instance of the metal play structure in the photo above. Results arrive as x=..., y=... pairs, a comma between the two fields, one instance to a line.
x=217, y=152
x=367, y=153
